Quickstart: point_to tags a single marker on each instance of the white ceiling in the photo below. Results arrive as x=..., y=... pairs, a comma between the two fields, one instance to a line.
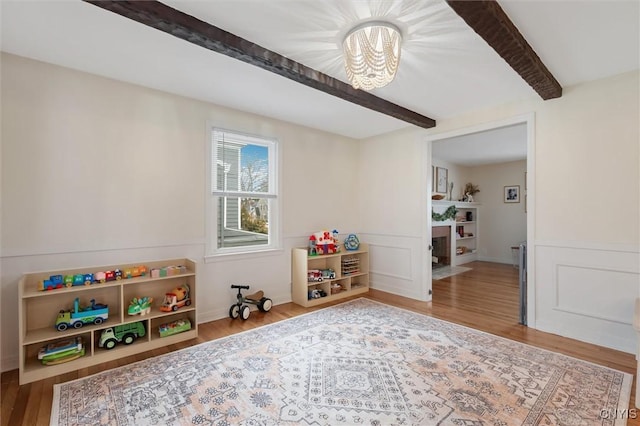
x=445, y=70
x=488, y=147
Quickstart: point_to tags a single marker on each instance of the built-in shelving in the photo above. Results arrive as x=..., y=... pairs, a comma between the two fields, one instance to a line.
x=464, y=230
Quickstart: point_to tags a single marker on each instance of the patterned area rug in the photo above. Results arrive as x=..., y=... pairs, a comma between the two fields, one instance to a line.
x=447, y=271
x=359, y=363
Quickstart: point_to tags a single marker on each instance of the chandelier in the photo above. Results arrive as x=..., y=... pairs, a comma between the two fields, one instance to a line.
x=372, y=54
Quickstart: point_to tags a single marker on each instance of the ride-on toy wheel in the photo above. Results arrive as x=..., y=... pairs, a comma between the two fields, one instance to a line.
x=245, y=312
x=265, y=304
x=234, y=311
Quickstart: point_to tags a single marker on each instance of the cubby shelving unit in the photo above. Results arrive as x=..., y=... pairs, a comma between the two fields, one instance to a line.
x=38, y=312
x=351, y=269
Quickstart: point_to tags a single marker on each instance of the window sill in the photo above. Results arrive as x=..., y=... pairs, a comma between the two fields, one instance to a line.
x=221, y=257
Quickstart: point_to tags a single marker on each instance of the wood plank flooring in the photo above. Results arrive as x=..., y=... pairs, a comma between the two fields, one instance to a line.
x=485, y=298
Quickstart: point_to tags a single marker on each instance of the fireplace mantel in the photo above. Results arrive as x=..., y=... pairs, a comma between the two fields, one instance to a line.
x=459, y=204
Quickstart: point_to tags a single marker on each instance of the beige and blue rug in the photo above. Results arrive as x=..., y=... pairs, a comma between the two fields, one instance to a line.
x=359, y=363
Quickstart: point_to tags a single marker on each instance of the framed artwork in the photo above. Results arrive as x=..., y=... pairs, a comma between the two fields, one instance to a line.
x=512, y=194
x=442, y=181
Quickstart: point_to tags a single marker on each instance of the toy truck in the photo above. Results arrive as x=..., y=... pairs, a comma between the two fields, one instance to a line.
x=77, y=317
x=314, y=275
x=125, y=333
x=178, y=298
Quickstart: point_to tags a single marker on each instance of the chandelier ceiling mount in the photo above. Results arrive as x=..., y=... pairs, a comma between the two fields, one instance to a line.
x=372, y=54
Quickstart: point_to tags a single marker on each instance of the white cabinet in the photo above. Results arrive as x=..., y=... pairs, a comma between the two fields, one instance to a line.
x=38, y=312
x=350, y=275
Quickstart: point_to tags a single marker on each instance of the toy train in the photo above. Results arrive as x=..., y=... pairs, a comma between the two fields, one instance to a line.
x=60, y=281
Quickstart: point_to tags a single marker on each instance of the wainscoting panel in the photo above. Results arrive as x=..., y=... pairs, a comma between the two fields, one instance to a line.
x=395, y=265
x=588, y=293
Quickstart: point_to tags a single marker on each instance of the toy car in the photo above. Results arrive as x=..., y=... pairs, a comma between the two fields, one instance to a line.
x=328, y=274
x=314, y=275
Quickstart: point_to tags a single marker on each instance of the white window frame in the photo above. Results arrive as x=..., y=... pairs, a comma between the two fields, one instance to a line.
x=213, y=252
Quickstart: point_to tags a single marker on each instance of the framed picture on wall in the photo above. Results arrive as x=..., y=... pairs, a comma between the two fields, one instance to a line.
x=442, y=181
x=512, y=194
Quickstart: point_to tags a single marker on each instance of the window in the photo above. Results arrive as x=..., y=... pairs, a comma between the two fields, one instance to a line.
x=243, y=213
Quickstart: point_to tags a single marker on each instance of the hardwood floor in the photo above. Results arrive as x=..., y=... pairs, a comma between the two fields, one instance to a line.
x=485, y=298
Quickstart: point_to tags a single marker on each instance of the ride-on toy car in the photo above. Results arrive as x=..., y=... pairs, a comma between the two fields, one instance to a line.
x=239, y=309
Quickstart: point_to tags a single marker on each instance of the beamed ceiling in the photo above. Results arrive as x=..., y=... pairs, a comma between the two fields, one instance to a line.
x=282, y=58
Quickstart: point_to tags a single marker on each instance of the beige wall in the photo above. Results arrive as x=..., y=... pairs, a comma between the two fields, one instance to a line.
x=500, y=225
x=457, y=174
x=98, y=172
x=587, y=155
x=586, y=183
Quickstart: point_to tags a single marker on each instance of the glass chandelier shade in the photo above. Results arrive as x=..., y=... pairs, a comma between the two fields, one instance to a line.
x=372, y=54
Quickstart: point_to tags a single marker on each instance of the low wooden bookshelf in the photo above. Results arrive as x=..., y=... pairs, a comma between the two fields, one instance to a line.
x=351, y=268
x=38, y=311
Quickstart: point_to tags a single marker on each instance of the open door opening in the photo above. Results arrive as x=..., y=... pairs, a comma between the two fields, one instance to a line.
x=489, y=228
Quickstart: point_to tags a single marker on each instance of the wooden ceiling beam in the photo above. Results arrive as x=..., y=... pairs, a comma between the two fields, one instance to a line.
x=164, y=18
x=487, y=18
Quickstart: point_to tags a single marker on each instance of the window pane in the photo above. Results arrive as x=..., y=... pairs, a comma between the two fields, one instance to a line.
x=254, y=168
x=243, y=221
x=240, y=165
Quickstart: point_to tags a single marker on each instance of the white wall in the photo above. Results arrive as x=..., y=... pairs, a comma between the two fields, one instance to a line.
x=391, y=194
x=457, y=174
x=586, y=184
x=98, y=172
x=501, y=225
x=101, y=172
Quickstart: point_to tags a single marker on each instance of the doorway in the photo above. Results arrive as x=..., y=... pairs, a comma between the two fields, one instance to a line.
x=497, y=157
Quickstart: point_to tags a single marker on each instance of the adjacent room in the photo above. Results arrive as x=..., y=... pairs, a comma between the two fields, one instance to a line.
x=344, y=212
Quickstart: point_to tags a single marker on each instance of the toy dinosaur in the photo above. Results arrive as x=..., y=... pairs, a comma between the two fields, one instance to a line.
x=140, y=306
